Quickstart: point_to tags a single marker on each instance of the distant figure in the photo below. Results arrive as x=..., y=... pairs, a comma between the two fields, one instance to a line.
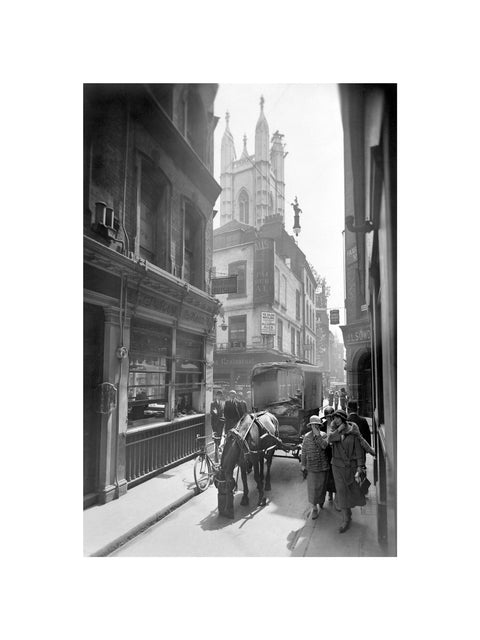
x=335, y=400
x=343, y=399
x=330, y=398
x=242, y=403
x=232, y=411
x=359, y=421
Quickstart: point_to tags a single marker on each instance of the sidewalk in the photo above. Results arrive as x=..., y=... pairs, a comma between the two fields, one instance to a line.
x=106, y=527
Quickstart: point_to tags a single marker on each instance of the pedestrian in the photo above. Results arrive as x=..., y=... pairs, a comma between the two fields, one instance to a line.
x=325, y=427
x=343, y=399
x=359, y=421
x=216, y=413
x=314, y=464
x=232, y=411
x=242, y=403
x=330, y=398
x=335, y=400
x=348, y=466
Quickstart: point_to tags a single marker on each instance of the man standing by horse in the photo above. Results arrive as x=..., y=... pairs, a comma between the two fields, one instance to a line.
x=216, y=413
x=232, y=411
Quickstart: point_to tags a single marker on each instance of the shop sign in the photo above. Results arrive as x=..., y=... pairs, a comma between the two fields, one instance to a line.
x=263, y=276
x=227, y=284
x=335, y=316
x=358, y=335
x=267, y=326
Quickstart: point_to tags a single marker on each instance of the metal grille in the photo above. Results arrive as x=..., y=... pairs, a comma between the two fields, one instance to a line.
x=152, y=450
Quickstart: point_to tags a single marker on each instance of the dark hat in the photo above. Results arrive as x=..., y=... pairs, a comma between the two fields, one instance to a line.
x=341, y=413
x=327, y=411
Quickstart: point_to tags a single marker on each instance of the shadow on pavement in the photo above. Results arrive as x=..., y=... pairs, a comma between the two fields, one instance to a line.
x=214, y=521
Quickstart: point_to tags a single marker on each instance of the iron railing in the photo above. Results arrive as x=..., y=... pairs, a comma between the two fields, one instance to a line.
x=151, y=450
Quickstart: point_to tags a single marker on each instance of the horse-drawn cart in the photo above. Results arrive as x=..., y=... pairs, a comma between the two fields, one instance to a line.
x=292, y=392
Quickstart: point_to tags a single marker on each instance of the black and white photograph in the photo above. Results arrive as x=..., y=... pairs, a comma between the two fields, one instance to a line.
x=239, y=314
x=240, y=320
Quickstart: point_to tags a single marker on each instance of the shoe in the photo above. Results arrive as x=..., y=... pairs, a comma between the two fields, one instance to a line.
x=314, y=513
x=344, y=527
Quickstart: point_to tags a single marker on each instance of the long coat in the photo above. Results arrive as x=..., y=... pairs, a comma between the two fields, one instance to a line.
x=216, y=411
x=347, y=456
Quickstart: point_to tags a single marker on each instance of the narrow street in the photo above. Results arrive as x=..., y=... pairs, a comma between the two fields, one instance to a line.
x=282, y=528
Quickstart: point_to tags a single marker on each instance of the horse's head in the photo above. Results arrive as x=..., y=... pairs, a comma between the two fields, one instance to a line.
x=230, y=455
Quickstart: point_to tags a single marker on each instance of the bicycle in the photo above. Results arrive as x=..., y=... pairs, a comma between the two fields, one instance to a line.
x=205, y=466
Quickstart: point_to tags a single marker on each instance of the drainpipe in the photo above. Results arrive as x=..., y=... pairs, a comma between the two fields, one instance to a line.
x=121, y=355
x=127, y=136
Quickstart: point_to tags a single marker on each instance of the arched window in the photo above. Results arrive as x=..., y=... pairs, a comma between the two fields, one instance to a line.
x=243, y=200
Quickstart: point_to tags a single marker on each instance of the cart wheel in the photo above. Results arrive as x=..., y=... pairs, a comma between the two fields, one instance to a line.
x=202, y=472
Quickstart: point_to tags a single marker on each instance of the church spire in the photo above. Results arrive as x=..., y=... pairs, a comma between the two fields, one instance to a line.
x=227, y=153
x=262, y=135
x=244, y=152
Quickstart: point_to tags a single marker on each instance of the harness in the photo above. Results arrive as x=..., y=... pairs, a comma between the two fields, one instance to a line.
x=240, y=438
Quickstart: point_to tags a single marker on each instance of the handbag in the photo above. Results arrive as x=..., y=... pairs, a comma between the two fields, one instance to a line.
x=364, y=485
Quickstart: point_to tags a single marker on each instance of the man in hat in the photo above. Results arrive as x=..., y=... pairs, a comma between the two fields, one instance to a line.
x=232, y=411
x=315, y=464
x=361, y=423
x=216, y=413
x=348, y=466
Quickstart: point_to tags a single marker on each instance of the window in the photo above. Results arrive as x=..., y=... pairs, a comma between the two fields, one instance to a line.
x=153, y=191
x=189, y=378
x=196, y=123
x=299, y=351
x=292, y=336
x=283, y=298
x=279, y=335
x=243, y=201
x=149, y=372
x=240, y=269
x=297, y=304
x=237, y=331
x=277, y=284
x=193, y=250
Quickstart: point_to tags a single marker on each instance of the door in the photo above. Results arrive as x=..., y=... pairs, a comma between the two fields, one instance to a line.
x=93, y=330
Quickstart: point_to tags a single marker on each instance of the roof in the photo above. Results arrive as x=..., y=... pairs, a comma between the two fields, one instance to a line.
x=232, y=226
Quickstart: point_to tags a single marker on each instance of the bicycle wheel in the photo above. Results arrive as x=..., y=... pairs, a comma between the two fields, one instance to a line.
x=202, y=472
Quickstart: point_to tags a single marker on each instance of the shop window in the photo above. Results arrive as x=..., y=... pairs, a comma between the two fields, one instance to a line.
x=153, y=196
x=243, y=202
x=189, y=374
x=279, y=335
x=239, y=269
x=149, y=372
x=193, y=271
x=237, y=331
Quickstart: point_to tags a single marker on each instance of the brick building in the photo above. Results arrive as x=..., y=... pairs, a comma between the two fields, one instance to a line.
x=148, y=317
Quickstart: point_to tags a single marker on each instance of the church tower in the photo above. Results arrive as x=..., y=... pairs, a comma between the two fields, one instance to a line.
x=227, y=159
x=262, y=165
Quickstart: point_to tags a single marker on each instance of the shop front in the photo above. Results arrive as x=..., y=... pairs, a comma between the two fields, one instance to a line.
x=149, y=353
x=356, y=337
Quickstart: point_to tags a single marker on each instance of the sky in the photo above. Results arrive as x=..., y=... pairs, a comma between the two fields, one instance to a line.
x=309, y=117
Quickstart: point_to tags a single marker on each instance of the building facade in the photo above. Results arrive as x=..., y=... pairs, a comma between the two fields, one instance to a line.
x=369, y=124
x=271, y=317
x=149, y=319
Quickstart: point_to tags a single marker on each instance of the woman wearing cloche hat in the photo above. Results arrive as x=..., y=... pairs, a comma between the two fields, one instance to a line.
x=315, y=464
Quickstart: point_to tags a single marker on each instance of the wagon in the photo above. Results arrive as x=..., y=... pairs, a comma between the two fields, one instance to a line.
x=292, y=391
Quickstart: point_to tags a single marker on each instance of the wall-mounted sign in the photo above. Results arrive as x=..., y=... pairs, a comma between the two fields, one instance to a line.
x=263, y=282
x=267, y=326
x=335, y=316
x=227, y=284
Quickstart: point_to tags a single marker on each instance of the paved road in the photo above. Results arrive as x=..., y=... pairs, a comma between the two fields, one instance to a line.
x=282, y=528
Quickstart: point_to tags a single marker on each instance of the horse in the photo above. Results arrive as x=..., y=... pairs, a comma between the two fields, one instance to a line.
x=253, y=440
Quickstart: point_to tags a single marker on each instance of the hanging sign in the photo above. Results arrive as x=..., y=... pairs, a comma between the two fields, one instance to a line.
x=335, y=316
x=227, y=284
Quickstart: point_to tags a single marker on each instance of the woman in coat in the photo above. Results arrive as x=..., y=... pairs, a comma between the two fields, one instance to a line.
x=315, y=464
x=348, y=466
